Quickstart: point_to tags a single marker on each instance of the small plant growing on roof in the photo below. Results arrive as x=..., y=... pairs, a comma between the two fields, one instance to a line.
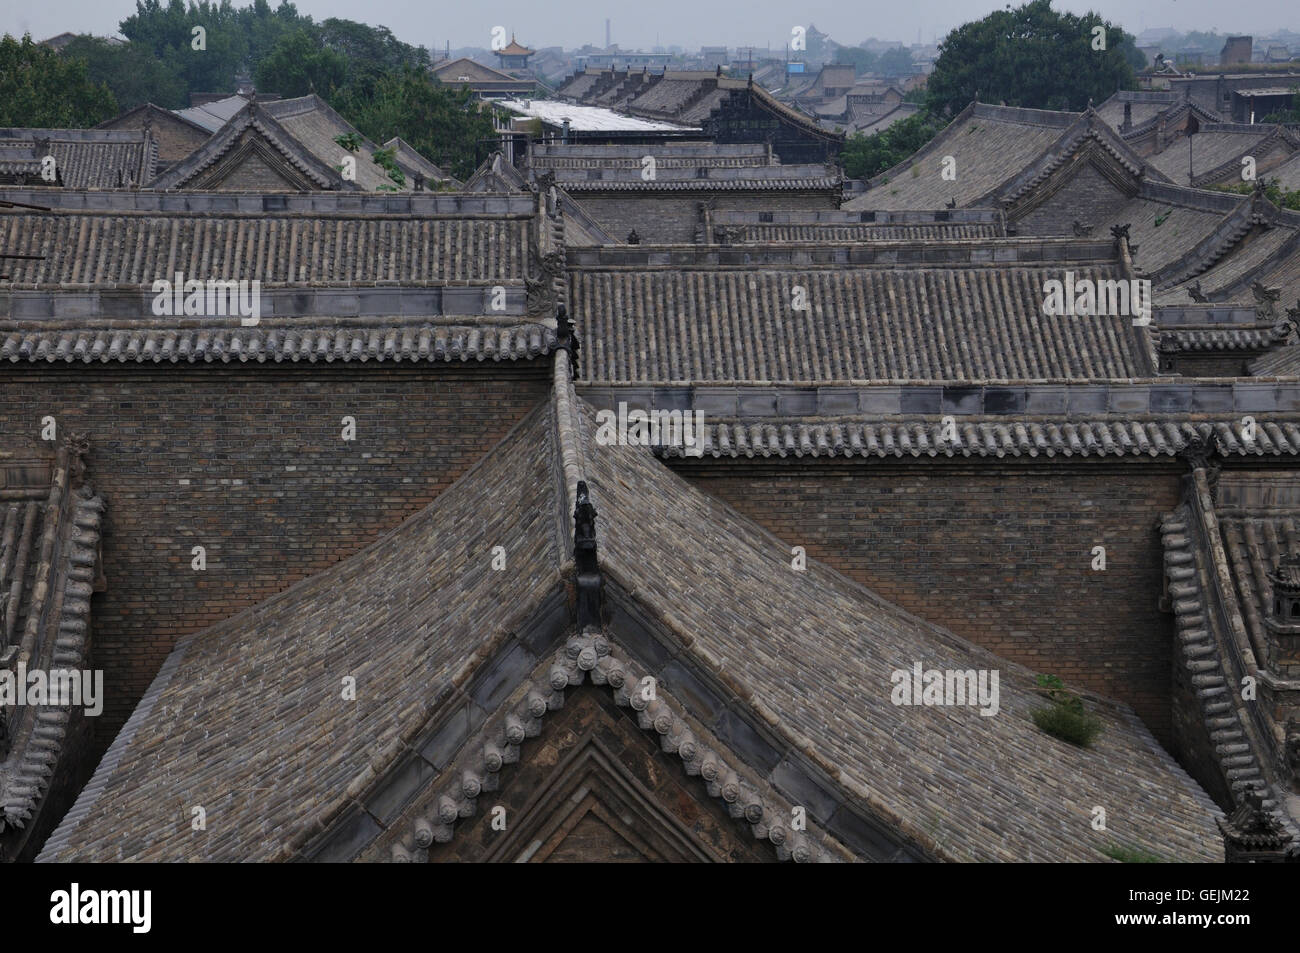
x=1130, y=855
x=349, y=140
x=1065, y=718
x=386, y=160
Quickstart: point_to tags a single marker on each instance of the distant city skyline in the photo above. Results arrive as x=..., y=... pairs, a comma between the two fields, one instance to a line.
x=641, y=25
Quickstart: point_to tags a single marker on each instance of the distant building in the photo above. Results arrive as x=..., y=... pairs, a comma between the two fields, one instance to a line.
x=487, y=82
x=58, y=42
x=177, y=135
x=712, y=57
x=1237, y=49
x=514, y=56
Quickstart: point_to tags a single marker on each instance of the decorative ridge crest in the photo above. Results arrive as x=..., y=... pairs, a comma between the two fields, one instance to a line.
x=591, y=654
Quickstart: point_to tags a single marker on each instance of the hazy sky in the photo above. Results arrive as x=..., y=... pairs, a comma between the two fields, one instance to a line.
x=688, y=23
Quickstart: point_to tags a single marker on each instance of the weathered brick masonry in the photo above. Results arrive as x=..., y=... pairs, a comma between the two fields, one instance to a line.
x=999, y=553
x=248, y=461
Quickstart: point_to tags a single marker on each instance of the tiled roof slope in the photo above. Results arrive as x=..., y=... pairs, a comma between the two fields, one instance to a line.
x=1287, y=174
x=299, y=136
x=1143, y=106
x=49, y=548
x=814, y=653
x=1269, y=253
x=212, y=116
x=496, y=175
x=91, y=158
x=866, y=323
x=407, y=618
x=1283, y=362
x=1259, y=517
x=1181, y=225
x=990, y=145
x=1216, y=152
x=311, y=121
x=94, y=248
x=408, y=158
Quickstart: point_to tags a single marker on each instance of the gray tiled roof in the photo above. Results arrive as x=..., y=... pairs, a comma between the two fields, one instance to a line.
x=1181, y=227
x=1283, y=362
x=989, y=144
x=301, y=249
x=91, y=158
x=1211, y=149
x=314, y=125
x=308, y=340
x=1101, y=436
x=1287, y=174
x=902, y=323
x=212, y=116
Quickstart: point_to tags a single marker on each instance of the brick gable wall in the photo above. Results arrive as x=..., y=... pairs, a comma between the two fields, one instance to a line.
x=248, y=461
x=999, y=553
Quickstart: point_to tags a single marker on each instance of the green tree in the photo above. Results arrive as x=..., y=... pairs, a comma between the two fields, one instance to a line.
x=299, y=64
x=263, y=27
x=862, y=61
x=1290, y=114
x=1030, y=56
x=370, y=50
x=865, y=156
x=133, y=73
x=443, y=123
x=38, y=87
x=896, y=62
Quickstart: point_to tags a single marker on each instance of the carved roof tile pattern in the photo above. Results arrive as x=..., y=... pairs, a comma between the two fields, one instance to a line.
x=49, y=545
x=1220, y=546
x=904, y=324
x=310, y=341
x=1102, y=436
x=760, y=233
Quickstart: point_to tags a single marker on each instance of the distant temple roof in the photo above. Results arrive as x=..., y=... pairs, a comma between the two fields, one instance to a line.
x=514, y=49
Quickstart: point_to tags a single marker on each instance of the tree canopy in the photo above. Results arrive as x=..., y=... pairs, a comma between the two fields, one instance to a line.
x=865, y=156
x=1032, y=56
x=38, y=87
x=442, y=123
